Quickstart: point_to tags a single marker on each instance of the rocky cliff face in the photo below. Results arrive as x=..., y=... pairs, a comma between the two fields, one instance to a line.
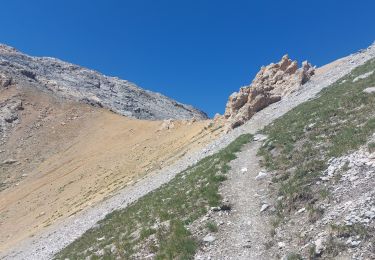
x=9, y=110
x=270, y=85
x=73, y=82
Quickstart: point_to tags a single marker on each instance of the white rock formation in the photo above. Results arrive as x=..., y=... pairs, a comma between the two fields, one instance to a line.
x=270, y=85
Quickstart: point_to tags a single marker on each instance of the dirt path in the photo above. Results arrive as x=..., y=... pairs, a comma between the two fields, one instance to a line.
x=242, y=233
x=56, y=237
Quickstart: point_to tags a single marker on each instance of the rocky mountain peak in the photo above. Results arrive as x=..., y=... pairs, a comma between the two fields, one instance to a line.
x=7, y=49
x=270, y=84
x=66, y=80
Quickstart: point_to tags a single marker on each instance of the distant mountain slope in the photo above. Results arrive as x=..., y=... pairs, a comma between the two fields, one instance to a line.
x=73, y=82
x=58, y=157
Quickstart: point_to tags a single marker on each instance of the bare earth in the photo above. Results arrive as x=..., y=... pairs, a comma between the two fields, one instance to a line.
x=245, y=226
x=71, y=156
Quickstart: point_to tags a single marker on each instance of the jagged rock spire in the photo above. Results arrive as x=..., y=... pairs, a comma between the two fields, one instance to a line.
x=269, y=85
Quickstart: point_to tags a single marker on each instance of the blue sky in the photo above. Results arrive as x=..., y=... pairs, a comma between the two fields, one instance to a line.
x=195, y=51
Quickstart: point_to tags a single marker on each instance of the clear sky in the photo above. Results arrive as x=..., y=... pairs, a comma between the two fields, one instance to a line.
x=195, y=51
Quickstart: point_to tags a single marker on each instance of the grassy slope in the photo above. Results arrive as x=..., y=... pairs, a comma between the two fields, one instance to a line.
x=157, y=222
x=301, y=142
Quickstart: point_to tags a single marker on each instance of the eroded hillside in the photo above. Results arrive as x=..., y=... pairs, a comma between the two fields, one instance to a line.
x=59, y=157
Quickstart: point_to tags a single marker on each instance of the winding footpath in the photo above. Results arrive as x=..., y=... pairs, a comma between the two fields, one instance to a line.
x=241, y=236
x=56, y=237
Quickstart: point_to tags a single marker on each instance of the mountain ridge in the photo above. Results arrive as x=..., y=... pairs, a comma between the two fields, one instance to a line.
x=74, y=82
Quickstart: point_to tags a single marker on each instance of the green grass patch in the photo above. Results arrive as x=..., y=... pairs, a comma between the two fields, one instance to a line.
x=211, y=226
x=157, y=222
x=357, y=229
x=334, y=247
x=371, y=147
x=301, y=142
x=294, y=256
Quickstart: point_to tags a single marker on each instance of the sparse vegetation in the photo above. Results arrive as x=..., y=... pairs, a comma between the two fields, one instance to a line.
x=371, y=147
x=269, y=244
x=324, y=193
x=314, y=213
x=334, y=247
x=311, y=252
x=157, y=222
x=294, y=256
x=301, y=142
x=211, y=226
x=358, y=229
x=338, y=234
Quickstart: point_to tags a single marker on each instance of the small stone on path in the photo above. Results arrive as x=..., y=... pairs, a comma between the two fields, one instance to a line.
x=261, y=175
x=281, y=245
x=209, y=239
x=369, y=90
x=264, y=207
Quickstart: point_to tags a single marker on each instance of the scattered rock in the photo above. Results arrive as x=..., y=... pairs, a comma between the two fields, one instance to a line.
x=259, y=137
x=100, y=238
x=352, y=242
x=264, y=207
x=369, y=90
x=9, y=162
x=310, y=126
x=224, y=207
x=101, y=252
x=93, y=101
x=370, y=214
x=9, y=110
x=209, y=239
x=281, y=245
x=319, y=246
x=363, y=76
x=261, y=175
x=167, y=124
x=5, y=81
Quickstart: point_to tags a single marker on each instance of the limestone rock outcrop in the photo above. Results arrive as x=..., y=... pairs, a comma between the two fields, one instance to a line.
x=269, y=85
x=5, y=81
x=9, y=110
x=72, y=82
